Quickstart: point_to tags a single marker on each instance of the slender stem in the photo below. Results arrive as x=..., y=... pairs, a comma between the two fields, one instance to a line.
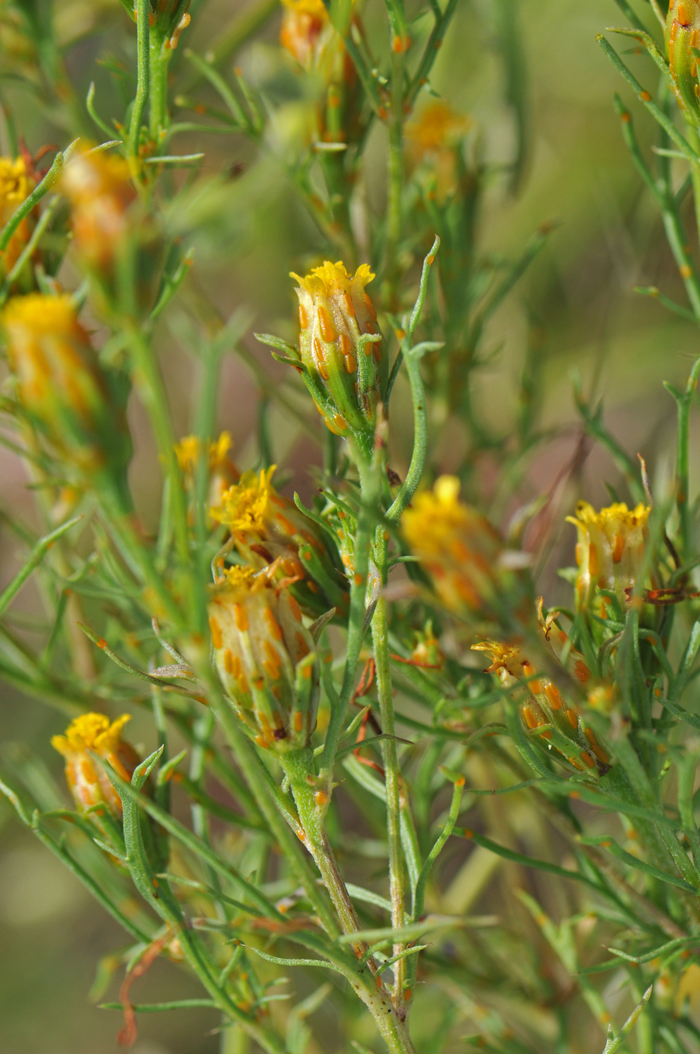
x=356, y=618
x=420, y=438
x=299, y=767
x=257, y=782
x=149, y=380
x=394, y=219
x=143, y=34
x=392, y=776
x=158, y=87
x=684, y=401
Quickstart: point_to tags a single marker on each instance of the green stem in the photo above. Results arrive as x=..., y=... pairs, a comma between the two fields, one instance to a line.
x=149, y=381
x=299, y=769
x=356, y=618
x=391, y=774
x=158, y=87
x=143, y=34
x=251, y=766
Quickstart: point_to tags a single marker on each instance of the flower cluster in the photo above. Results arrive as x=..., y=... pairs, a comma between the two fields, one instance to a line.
x=268, y=530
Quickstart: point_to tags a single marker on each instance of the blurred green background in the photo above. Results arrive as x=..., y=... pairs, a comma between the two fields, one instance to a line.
x=249, y=232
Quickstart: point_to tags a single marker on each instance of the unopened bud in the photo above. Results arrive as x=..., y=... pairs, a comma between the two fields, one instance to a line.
x=87, y=780
x=113, y=238
x=264, y=657
x=62, y=387
x=336, y=316
x=682, y=38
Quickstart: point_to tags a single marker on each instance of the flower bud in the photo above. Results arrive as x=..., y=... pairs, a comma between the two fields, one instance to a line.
x=464, y=555
x=16, y=184
x=541, y=703
x=335, y=313
x=222, y=472
x=62, y=387
x=264, y=657
x=88, y=782
x=609, y=552
x=268, y=530
x=682, y=35
x=115, y=241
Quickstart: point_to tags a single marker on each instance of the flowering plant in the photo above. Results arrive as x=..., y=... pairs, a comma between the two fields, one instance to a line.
x=329, y=693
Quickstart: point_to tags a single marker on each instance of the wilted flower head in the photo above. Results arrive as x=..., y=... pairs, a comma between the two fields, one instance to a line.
x=463, y=553
x=264, y=657
x=16, y=184
x=269, y=530
x=62, y=386
x=87, y=780
x=609, y=553
x=222, y=471
x=335, y=312
x=540, y=703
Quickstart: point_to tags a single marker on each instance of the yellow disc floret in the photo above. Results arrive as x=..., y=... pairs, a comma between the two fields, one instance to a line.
x=244, y=505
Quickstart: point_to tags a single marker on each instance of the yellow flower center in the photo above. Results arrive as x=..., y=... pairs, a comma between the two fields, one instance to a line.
x=91, y=732
x=332, y=278
x=243, y=506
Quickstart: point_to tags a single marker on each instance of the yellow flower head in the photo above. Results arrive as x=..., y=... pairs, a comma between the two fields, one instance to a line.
x=610, y=550
x=87, y=781
x=61, y=384
x=457, y=545
x=335, y=313
x=91, y=732
x=263, y=654
x=244, y=506
x=333, y=278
